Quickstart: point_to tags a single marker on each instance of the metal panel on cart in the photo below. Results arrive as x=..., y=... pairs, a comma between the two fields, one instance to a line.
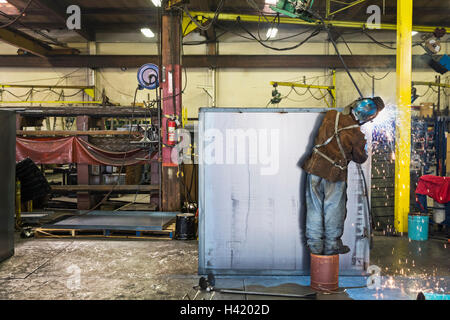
x=7, y=185
x=252, y=193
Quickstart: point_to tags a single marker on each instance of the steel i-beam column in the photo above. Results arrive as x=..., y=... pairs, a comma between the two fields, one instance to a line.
x=171, y=106
x=403, y=125
x=84, y=200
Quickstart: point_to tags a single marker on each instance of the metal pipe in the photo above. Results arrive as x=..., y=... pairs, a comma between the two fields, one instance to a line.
x=300, y=85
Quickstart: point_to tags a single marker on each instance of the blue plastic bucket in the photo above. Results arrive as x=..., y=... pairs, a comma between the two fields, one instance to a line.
x=436, y=296
x=418, y=227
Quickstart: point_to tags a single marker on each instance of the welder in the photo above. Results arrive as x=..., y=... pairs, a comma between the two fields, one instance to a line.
x=339, y=141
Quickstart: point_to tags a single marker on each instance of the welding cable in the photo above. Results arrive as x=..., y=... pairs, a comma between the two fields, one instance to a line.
x=321, y=98
x=187, y=26
x=344, y=290
x=378, y=42
x=256, y=7
x=187, y=194
x=363, y=69
x=375, y=78
x=20, y=15
x=233, y=32
x=196, y=43
x=271, y=25
x=16, y=96
x=274, y=40
x=66, y=96
x=60, y=80
x=330, y=36
x=123, y=161
x=313, y=34
x=371, y=222
x=300, y=94
x=178, y=94
x=199, y=25
x=295, y=35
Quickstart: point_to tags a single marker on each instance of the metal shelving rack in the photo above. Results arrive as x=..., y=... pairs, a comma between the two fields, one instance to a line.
x=95, y=112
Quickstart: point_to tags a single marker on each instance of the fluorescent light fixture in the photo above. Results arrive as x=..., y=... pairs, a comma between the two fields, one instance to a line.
x=414, y=33
x=147, y=32
x=157, y=3
x=3, y=1
x=272, y=33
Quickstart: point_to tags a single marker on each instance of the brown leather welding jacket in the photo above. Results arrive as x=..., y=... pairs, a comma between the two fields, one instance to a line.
x=353, y=143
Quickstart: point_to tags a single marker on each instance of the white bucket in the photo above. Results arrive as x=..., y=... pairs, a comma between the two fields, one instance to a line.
x=438, y=212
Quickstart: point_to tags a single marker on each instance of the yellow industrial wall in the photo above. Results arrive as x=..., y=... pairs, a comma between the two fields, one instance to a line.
x=233, y=87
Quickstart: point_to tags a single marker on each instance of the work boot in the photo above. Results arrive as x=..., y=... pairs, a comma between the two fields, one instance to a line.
x=336, y=247
x=343, y=249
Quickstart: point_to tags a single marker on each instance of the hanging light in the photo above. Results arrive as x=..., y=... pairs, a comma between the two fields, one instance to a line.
x=272, y=33
x=147, y=32
x=157, y=3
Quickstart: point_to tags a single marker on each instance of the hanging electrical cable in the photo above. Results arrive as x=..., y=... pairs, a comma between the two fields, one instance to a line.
x=20, y=15
x=113, y=187
x=313, y=34
x=52, y=40
x=199, y=25
x=363, y=69
x=377, y=42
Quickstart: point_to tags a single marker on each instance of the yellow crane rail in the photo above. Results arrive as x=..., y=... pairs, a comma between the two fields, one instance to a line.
x=288, y=20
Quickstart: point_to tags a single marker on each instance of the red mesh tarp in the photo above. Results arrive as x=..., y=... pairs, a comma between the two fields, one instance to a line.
x=75, y=150
x=435, y=187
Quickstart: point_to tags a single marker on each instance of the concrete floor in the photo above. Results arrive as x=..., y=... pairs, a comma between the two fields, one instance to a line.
x=58, y=269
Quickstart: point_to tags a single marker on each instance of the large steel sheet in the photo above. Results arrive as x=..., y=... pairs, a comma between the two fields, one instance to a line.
x=124, y=220
x=252, y=209
x=7, y=186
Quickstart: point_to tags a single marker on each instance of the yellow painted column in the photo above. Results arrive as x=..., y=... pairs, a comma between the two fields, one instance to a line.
x=334, y=89
x=403, y=126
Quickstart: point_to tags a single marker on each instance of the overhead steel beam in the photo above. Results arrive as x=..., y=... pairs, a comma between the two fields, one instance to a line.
x=27, y=43
x=18, y=40
x=207, y=61
x=59, y=11
x=110, y=27
x=104, y=11
x=74, y=111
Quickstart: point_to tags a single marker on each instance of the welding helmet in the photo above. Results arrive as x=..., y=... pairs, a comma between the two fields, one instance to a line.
x=366, y=109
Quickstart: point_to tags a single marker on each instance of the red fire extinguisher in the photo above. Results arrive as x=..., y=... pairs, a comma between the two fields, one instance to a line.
x=171, y=128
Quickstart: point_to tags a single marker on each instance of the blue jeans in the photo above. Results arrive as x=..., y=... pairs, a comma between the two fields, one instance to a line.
x=325, y=214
